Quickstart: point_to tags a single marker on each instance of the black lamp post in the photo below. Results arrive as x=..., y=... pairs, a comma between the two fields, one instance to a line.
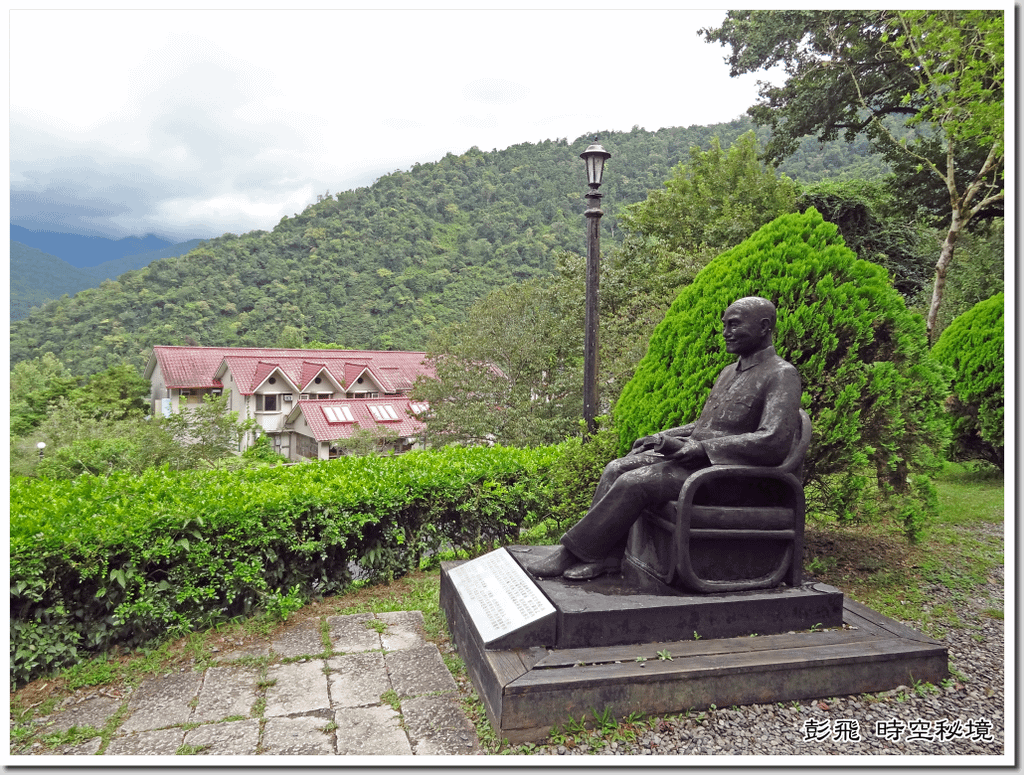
x=594, y=157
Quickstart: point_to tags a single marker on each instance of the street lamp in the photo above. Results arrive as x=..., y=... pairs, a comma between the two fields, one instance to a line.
x=41, y=446
x=594, y=157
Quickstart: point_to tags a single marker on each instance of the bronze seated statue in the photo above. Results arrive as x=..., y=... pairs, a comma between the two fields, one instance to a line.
x=716, y=505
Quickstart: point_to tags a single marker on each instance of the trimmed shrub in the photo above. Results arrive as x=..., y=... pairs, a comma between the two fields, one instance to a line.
x=125, y=559
x=972, y=346
x=872, y=390
x=570, y=483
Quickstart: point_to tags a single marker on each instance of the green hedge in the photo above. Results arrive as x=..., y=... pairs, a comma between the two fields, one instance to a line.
x=872, y=390
x=122, y=560
x=972, y=346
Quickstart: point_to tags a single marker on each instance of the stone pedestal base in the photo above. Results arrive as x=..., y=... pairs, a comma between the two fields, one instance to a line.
x=600, y=649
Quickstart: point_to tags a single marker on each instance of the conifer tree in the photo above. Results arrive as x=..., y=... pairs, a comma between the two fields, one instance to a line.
x=873, y=392
x=972, y=346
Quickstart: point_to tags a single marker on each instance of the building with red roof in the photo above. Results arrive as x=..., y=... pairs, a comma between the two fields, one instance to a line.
x=309, y=402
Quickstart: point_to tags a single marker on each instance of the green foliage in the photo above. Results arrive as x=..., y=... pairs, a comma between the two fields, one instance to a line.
x=118, y=393
x=262, y=451
x=207, y=432
x=972, y=346
x=976, y=275
x=940, y=73
x=281, y=605
x=37, y=277
x=41, y=385
x=125, y=559
x=873, y=392
x=868, y=221
x=511, y=373
x=79, y=442
x=715, y=201
x=849, y=71
x=36, y=386
x=571, y=481
x=379, y=267
x=957, y=59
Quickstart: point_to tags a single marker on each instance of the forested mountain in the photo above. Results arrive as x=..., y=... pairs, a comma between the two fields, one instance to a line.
x=82, y=251
x=384, y=265
x=37, y=277
x=111, y=270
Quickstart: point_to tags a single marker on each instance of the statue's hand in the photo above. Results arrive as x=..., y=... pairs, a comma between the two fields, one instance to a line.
x=646, y=443
x=691, y=453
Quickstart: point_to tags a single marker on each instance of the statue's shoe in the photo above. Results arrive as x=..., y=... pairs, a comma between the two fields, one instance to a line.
x=591, y=570
x=555, y=564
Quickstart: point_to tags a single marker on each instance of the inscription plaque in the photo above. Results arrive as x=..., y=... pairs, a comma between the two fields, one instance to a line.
x=498, y=595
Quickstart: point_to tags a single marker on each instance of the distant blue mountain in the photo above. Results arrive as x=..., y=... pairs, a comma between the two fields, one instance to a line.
x=111, y=270
x=80, y=251
x=37, y=276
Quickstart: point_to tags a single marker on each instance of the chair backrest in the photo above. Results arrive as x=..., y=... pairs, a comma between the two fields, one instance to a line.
x=795, y=459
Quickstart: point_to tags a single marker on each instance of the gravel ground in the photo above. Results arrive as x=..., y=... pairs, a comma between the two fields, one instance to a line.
x=961, y=719
x=965, y=717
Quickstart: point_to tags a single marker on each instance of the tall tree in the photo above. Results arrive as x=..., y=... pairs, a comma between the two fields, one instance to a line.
x=714, y=201
x=940, y=71
x=510, y=374
x=36, y=386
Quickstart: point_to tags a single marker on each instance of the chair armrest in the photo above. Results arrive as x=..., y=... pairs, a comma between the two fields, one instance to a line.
x=710, y=474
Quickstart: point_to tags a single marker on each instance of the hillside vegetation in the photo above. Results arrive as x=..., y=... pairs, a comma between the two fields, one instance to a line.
x=38, y=277
x=385, y=265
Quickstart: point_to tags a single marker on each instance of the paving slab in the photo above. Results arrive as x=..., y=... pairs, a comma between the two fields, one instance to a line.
x=419, y=671
x=94, y=712
x=232, y=738
x=350, y=634
x=300, y=687
x=226, y=691
x=252, y=651
x=88, y=748
x=299, y=736
x=404, y=630
x=160, y=742
x=373, y=731
x=357, y=680
x=298, y=640
x=162, y=701
x=437, y=726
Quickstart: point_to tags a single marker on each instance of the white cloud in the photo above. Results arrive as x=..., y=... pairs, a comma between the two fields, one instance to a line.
x=193, y=123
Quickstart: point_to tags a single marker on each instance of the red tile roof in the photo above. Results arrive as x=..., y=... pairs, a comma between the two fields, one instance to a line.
x=193, y=367
x=324, y=428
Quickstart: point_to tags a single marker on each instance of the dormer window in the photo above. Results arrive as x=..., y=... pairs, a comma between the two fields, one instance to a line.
x=338, y=414
x=383, y=413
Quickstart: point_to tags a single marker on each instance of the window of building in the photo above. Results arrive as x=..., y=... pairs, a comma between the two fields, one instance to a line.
x=267, y=403
x=383, y=413
x=338, y=414
x=305, y=446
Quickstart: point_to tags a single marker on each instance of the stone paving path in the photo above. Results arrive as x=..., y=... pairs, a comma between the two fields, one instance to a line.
x=385, y=690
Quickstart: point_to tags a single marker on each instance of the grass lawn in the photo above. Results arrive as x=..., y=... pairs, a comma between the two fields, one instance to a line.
x=871, y=564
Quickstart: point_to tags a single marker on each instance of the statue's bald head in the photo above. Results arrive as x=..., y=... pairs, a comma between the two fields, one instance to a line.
x=748, y=325
x=756, y=306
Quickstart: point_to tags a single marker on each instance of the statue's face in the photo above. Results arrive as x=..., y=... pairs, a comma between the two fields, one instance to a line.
x=744, y=330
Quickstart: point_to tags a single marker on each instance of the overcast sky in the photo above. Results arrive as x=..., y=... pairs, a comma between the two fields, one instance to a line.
x=194, y=123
